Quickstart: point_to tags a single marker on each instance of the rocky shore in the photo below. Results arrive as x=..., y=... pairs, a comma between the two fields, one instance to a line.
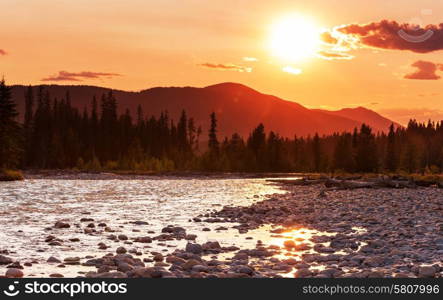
x=344, y=233
x=375, y=232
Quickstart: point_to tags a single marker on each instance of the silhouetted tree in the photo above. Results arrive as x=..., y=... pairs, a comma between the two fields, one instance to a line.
x=10, y=149
x=28, y=126
x=213, y=143
x=344, y=154
x=317, y=152
x=366, y=156
x=392, y=156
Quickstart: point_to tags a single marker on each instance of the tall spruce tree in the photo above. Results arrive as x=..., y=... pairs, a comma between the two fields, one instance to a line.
x=343, y=153
x=10, y=145
x=366, y=157
x=213, y=143
x=28, y=124
x=391, y=155
x=317, y=152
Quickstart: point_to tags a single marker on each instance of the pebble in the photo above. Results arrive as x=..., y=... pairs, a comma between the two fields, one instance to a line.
x=194, y=248
x=122, y=237
x=158, y=257
x=60, y=224
x=190, y=263
x=190, y=237
x=53, y=259
x=301, y=273
x=71, y=261
x=4, y=260
x=121, y=250
x=426, y=272
x=14, y=273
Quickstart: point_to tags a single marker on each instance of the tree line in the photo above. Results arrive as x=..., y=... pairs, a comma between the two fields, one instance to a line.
x=55, y=135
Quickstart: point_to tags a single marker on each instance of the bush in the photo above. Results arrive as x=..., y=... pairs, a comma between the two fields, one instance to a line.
x=10, y=175
x=80, y=164
x=93, y=165
x=111, y=165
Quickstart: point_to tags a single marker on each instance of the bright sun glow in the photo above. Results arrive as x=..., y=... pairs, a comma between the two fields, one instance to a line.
x=294, y=38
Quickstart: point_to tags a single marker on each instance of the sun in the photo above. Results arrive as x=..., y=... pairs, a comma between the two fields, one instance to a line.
x=294, y=38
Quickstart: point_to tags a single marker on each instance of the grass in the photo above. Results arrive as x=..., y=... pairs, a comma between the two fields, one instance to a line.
x=434, y=178
x=430, y=178
x=10, y=175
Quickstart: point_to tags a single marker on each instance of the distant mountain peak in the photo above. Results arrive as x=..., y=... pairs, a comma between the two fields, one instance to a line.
x=358, y=108
x=228, y=85
x=233, y=88
x=364, y=115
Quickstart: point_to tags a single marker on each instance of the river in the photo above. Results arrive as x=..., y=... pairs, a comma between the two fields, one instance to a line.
x=30, y=208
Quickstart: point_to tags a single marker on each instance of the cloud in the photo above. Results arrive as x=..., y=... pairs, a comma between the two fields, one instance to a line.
x=226, y=67
x=292, y=70
x=335, y=46
x=388, y=34
x=334, y=55
x=426, y=70
x=79, y=76
x=3, y=52
x=250, y=59
x=327, y=38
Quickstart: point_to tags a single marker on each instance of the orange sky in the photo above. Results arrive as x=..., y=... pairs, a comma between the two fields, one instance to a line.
x=165, y=43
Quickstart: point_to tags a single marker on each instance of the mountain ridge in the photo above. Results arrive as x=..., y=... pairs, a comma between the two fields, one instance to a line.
x=239, y=108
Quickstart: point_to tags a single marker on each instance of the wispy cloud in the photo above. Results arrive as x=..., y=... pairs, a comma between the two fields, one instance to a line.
x=226, y=67
x=250, y=59
x=3, y=52
x=426, y=70
x=78, y=76
x=292, y=70
x=334, y=55
x=335, y=46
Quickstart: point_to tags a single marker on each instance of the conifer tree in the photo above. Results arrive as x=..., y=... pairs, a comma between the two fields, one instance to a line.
x=28, y=124
x=391, y=156
x=317, y=152
x=213, y=143
x=366, y=156
x=10, y=148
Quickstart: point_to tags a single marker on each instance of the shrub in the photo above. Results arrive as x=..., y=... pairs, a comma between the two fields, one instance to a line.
x=10, y=175
x=111, y=165
x=93, y=165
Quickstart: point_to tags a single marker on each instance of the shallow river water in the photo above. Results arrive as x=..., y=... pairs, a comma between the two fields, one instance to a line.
x=31, y=206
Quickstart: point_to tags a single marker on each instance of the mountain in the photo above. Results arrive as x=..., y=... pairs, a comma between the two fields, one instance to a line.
x=238, y=108
x=377, y=121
